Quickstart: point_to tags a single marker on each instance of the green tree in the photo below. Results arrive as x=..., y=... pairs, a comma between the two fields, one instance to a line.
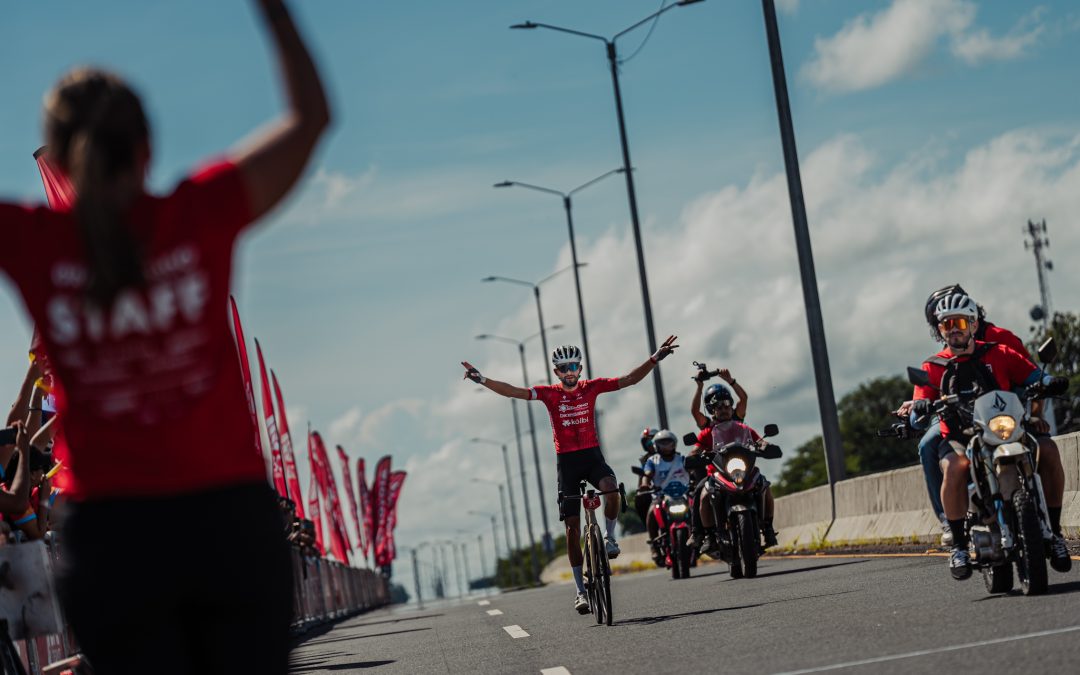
x=1065, y=329
x=862, y=413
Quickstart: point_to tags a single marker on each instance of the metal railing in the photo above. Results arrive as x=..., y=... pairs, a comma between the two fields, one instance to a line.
x=323, y=591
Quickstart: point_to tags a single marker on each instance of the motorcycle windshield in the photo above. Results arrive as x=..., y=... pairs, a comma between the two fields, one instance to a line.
x=676, y=489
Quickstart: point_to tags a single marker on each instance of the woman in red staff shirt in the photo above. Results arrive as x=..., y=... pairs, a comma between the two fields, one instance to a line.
x=130, y=292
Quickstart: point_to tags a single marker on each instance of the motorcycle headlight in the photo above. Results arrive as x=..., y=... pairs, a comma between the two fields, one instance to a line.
x=677, y=509
x=1002, y=426
x=735, y=464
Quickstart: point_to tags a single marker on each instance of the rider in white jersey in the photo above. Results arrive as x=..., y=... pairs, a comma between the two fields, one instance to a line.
x=660, y=470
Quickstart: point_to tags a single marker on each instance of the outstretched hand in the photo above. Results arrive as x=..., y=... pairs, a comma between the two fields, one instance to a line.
x=471, y=373
x=666, y=349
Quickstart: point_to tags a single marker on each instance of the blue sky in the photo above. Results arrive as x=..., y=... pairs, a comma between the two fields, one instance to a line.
x=929, y=129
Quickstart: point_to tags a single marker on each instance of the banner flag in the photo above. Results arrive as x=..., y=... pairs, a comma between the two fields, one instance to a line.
x=381, y=505
x=313, y=501
x=339, y=539
x=292, y=478
x=354, y=514
x=276, y=467
x=365, y=507
x=397, y=480
x=58, y=189
x=245, y=369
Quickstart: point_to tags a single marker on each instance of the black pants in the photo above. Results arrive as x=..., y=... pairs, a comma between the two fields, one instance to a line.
x=199, y=583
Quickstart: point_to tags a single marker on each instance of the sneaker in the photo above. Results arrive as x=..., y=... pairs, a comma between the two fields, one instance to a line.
x=1059, y=554
x=612, y=547
x=946, y=535
x=770, y=536
x=708, y=544
x=695, y=539
x=959, y=564
x=581, y=603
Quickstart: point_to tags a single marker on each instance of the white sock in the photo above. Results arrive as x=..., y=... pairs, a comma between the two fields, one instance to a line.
x=578, y=578
x=611, y=527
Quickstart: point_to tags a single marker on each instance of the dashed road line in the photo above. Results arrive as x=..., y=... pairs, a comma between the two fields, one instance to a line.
x=484, y=603
x=939, y=650
x=560, y=670
x=494, y=612
x=515, y=631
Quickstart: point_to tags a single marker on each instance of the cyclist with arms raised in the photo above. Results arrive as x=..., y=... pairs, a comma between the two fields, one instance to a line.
x=571, y=406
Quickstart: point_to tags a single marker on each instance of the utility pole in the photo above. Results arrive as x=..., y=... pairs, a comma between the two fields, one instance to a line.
x=416, y=580
x=1042, y=312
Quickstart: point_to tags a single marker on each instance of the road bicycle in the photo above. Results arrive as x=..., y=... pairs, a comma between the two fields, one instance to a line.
x=597, y=572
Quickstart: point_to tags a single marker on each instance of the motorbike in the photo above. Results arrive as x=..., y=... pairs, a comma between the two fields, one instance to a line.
x=1007, y=521
x=672, y=513
x=737, y=491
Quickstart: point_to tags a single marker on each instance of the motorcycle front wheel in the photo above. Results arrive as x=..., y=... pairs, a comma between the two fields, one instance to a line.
x=747, y=542
x=680, y=556
x=1031, y=565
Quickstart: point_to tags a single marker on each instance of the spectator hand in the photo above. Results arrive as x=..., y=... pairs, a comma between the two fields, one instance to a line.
x=665, y=350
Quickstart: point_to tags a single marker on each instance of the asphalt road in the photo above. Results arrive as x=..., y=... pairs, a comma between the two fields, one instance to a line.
x=849, y=615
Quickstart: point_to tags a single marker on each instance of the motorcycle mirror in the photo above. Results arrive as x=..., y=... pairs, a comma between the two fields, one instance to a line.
x=918, y=377
x=637, y=470
x=1048, y=351
x=689, y=439
x=771, y=430
x=771, y=452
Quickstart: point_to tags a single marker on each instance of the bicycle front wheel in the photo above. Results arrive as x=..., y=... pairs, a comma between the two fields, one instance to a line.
x=603, y=576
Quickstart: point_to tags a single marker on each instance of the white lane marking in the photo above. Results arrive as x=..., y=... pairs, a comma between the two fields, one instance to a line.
x=561, y=670
x=484, y=603
x=924, y=652
x=494, y=612
x=515, y=631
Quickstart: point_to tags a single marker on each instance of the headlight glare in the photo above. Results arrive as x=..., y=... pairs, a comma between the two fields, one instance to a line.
x=1002, y=426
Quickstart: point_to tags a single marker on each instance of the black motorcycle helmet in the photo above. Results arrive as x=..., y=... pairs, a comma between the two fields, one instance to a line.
x=932, y=301
x=716, y=393
x=647, y=438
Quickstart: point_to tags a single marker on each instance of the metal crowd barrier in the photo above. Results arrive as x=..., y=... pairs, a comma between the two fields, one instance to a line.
x=324, y=591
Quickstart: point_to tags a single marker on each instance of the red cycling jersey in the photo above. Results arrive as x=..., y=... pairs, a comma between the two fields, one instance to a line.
x=1001, y=336
x=1009, y=367
x=572, y=413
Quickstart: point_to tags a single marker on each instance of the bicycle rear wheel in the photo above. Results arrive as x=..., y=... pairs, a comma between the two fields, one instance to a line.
x=603, y=576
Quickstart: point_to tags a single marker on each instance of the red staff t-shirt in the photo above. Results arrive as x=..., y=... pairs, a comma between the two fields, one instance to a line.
x=573, y=413
x=149, y=389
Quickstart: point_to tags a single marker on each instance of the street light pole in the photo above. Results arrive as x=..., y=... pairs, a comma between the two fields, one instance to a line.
x=416, y=580
x=525, y=495
x=502, y=497
x=613, y=61
x=834, y=451
x=568, y=207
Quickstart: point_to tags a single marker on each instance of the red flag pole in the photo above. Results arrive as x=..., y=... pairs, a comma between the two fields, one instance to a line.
x=245, y=369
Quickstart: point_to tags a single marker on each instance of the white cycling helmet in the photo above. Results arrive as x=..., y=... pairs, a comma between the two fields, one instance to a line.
x=565, y=355
x=956, y=305
x=665, y=435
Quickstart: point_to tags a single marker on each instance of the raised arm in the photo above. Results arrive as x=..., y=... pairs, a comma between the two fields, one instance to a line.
x=740, y=409
x=501, y=388
x=638, y=374
x=16, y=498
x=700, y=418
x=21, y=407
x=273, y=160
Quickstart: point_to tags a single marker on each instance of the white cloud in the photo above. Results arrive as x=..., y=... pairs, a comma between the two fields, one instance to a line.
x=787, y=6
x=875, y=48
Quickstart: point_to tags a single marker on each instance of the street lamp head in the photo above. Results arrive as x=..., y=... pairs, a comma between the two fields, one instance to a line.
x=505, y=183
x=526, y=25
x=684, y=3
x=488, y=279
x=483, y=336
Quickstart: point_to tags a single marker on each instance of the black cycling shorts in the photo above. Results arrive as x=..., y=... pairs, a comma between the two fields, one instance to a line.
x=574, y=467
x=950, y=447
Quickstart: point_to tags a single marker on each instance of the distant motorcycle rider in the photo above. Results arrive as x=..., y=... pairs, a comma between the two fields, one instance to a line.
x=642, y=502
x=723, y=425
x=661, y=468
x=982, y=366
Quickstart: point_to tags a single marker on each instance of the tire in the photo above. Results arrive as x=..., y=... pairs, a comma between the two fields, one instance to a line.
x=603, y=576
x=735, y=566
x=591, y=571
x=1031, y=565
x=680, y=557
x=673, y=554
x=746, y=540
x=999, y=578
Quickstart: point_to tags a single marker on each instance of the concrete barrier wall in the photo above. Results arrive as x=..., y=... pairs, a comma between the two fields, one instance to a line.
x=893, y=505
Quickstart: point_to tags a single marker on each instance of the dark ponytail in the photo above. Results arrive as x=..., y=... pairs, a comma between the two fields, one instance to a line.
x=95, y=128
